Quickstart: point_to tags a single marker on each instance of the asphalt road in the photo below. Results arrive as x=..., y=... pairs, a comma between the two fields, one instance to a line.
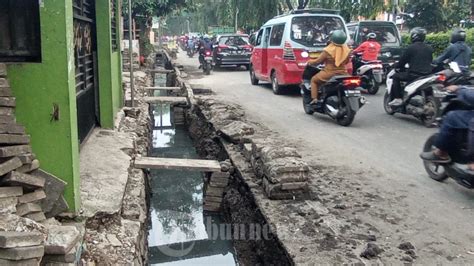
x=384, y=149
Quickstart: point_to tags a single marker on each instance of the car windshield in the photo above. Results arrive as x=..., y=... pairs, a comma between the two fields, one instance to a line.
x=234, y=40
x=312, y=31
x=386, y=35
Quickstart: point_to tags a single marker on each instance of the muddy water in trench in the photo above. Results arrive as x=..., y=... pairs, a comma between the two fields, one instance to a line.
x=179, y=228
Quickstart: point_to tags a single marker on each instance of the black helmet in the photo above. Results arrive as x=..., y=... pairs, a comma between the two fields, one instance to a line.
x=417, y=34
x=371, y=36
x=458, y=35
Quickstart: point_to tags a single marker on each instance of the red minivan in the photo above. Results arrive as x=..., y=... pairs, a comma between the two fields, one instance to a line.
x=285, y=43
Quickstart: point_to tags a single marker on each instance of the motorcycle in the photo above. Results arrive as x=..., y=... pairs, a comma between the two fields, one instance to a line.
x=341, y=96
x=207, y=63
x=371, y=74
x=190, y=52
x=461, y=155
x=418, y=99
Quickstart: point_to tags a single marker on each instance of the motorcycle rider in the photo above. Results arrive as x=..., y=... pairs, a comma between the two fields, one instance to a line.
x=334, y=57
x=455, y=120
x=457, y=52
x=190, y=44
x=204, y=45
x=419, y=57
x=369, y=49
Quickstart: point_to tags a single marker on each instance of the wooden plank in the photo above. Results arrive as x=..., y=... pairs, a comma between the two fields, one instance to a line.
x=177, y=164
x=162, y=88
x=166, y=99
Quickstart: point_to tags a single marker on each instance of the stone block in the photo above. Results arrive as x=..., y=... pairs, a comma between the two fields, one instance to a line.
x=6, y=92
x=270, y=153
x=22, y=179
x=61, y=239
x=11, y=151
x=8, y=205
x=212, y=206
x=54, y=188
x=275, y=192
x=59, y=207
x=7, y=101
x=4, y=83
x=213, y=199
x=26, y=158
x=288, y=186
x=32, y=197
x=71, y=257
x=6, y=110
x=214, y=191
x=247, y=150
x=27, y=262
x=7, y=119
x=9, y=165
x=236, y=130
x=20, y=239
x=13, y=222
x=214, y=183
x=29, y=167
x=286, y=170
x=6, y=192
x=36, y=216
x=14, y=139
x=3, y=70
x=27, y=208
x=22, y=253
x=11, y=128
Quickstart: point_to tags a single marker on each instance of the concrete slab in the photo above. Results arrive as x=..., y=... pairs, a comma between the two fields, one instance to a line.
x=104, y=171
x=22, y=253
x=53, y=188
x=61, y=239
x=20, y=239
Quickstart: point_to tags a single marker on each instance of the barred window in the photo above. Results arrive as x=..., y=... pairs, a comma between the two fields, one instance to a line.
x=113, y=23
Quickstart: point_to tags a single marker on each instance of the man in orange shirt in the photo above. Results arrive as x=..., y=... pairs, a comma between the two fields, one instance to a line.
x=369, y=49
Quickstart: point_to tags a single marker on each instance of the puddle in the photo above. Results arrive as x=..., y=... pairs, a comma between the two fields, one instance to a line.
x=179, y=227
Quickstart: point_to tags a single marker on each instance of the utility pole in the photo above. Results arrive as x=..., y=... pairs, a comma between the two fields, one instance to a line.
x=187, y=21
x=236, y=19
x=394, y=11
x=130, y=53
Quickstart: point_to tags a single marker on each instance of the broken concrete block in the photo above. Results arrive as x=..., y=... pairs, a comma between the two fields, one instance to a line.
x=13, y=222
x=29, y=167
x=9, y=165
x=3, y=70
x=113, y=240
x=7, y=101
x=61, y=239
x=32, y=197
x=215, y=191
x=22, y=179
x=8, y=205
x=286, y=170
x=36, y=216
x=70, y=257
x=59, y=207
x=211, y=206
x=12, y=129
x=4, y=83
x=53, y=188
x=247, y=150
x=6, y=192
x=288, y=186
x=22, y=253
x=275, y=192
x=26, y=158
x=27, y=208
x=7, y=119
x=20, y=239
x=10, y=151
x=235, y=130
x=213, y=199
x=27, y=262
x=270, y=153
x=14, y=139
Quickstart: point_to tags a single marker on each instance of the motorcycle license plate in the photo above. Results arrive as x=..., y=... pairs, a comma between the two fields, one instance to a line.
x=352, y=93
x=208, y=58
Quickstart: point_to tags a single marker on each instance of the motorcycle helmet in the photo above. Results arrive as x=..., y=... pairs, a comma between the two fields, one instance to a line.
x=206, y=37
x=371, y=36
x=417, y=34
x=338, y=37
x=458, y=35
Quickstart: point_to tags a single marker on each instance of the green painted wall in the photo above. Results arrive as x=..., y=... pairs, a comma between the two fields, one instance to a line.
x=110, y=76
x=38, y=86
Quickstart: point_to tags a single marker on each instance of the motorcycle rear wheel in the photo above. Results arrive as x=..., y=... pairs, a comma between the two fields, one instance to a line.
x=429, y=121
x=306, y=100
x=373, y=87
x=348, y=118
x=435, y=171
x=386, y=99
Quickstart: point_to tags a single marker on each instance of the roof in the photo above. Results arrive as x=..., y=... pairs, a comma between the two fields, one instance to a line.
x=371, y=22
x=233, y=34
x=284, y=18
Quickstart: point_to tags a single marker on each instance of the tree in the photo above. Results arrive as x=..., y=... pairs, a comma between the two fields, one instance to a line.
x=426, y=13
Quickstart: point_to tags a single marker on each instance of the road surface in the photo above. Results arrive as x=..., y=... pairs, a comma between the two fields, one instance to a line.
x=437, y=217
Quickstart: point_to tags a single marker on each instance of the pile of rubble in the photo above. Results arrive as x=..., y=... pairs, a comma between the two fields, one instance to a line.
x=279, y=167
x=28, y=195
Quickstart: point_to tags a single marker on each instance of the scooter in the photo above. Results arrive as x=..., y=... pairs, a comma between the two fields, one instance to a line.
x=207, y=64
x=371, y=74
x=341, y=96
x=461, y=155
x=190, y=52
x=418, y=99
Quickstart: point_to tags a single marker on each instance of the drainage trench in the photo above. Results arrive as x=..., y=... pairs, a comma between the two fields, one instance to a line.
x=181, y=232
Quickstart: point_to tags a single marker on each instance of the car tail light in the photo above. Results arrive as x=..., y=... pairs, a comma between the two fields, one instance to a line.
x=208, y=53
x=220, y=48
x=351, y=82
x=288, y=53
x=441, y=78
